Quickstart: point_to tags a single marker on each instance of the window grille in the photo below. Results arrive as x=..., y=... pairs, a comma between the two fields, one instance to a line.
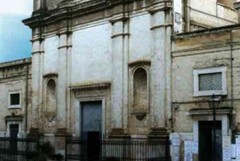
x=211, y=81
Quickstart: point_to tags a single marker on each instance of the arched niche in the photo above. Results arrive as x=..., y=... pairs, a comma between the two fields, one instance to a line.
x=51, y=97
x=140, y=89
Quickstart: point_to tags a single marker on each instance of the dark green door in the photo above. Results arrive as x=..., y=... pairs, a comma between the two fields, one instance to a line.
x=206, y=145
x=91, y=128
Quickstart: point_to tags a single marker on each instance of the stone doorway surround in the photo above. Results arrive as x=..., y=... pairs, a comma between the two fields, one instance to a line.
x=14, y=120
x=222, y=115
x=88, y=92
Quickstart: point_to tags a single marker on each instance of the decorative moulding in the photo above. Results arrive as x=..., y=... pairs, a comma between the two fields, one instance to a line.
x=139, y=63
x=50, y=75
x=93, y=86
x=14, y=118
x=162, y=6
x=66, y=32
x=121, y=17
x=207, y=111
x=140, y=114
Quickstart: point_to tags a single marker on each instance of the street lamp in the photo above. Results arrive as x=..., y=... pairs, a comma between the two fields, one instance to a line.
x=214, y=103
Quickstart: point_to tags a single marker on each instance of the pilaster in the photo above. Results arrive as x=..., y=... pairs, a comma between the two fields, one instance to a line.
x=37, y=70
x=120, y=38
x=160, y=66
x=64, y=50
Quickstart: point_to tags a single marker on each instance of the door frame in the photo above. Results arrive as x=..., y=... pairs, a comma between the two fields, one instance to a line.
x=13, y=123
x=92, y=99
x=224, y=122
x=206, y=130
x=80, y=114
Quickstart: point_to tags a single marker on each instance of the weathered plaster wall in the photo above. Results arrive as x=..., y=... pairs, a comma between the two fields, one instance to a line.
x=140, y=39
x=203, y=50
x=13, y=78
x=211, y=13
x=195, y=53
x=91, y=55
x=51, y=56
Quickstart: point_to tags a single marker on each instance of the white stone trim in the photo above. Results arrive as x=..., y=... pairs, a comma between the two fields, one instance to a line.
x=78, y=101
x=19, y=123
x=224, y=122
x=197, y=72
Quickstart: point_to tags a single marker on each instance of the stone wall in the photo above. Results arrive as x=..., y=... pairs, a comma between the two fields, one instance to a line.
x=15, y=77
x=206, y=49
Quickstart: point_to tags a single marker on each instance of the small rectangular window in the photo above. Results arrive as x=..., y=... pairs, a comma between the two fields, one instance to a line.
x=210, y=81
x=14, y=100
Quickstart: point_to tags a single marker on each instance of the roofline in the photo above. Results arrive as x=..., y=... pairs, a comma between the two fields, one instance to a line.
x=206, y=31
x=16, y=62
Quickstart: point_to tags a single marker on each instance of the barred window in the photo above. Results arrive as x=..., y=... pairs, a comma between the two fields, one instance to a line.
x=208, y=82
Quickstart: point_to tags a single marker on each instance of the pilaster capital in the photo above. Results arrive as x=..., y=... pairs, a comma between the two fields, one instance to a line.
x=160, y=6
x=120, y=17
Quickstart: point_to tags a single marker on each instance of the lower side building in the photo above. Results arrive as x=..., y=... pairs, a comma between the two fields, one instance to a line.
x=205, y=95
x=15, y=100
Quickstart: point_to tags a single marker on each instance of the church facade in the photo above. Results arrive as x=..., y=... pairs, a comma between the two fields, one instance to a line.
x=131, y=68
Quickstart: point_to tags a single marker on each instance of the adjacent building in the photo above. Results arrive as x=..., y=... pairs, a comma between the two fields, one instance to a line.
x=15, y=100
x=205, y=63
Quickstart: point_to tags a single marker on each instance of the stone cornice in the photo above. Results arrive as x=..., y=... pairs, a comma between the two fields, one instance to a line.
x=15, y=63
x=14, y=118
x=50, y=75
x=15, y=69
x=119, y=17
x=69, y=10
x=90, y=86
x=139, y=63
x=64, y=11
x=163, y=6
x=219, y=111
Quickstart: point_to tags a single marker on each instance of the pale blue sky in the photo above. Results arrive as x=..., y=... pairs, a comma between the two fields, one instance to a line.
x=14, y=35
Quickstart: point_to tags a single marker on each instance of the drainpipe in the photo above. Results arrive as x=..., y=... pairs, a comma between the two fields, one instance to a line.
x=187, y=15
x=231, y=66
x=26, y=99
x=232, y=120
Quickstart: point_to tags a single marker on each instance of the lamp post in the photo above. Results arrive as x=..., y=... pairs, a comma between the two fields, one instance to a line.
x=214, y=103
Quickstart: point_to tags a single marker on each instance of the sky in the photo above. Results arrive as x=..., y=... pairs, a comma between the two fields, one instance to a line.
x=14, y=35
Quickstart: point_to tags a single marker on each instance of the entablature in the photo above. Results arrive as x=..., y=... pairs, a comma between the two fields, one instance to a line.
x=71, y=13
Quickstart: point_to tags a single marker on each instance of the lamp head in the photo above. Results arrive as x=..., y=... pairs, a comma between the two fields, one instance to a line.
x=214, y=101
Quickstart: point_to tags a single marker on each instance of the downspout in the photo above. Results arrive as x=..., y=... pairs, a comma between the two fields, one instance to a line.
x=123, y=30
x=26, y=99
x=187, y=15
x=231, y=117
x=231, y=66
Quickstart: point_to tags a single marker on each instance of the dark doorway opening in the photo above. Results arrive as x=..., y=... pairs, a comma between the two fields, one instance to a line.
x=206, y=145
x=91, y=128
x=14, y=129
